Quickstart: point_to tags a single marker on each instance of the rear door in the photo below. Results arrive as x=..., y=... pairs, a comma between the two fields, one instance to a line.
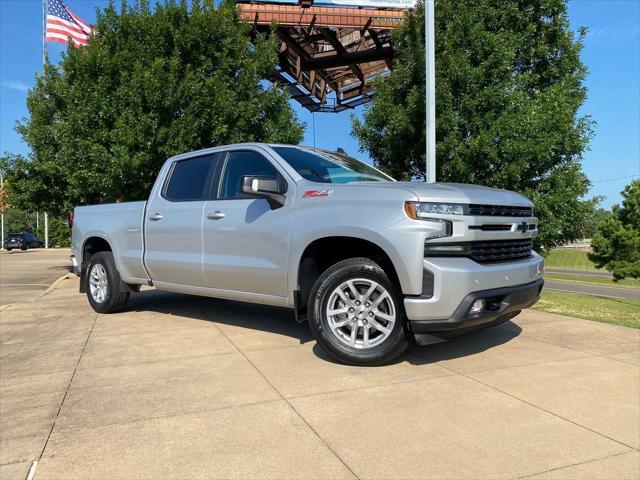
x=246, y=243
x=31, y=240
x=173, y=223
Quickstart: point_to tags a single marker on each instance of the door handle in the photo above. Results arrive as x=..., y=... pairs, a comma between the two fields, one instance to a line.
x=217, y=215
x=155, y=217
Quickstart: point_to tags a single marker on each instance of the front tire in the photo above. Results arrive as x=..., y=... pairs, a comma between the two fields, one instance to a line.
x=105, y=290
x=356, y=313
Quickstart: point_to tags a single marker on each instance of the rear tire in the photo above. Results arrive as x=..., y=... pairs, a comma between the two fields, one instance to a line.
x=356, y=313
x=105, y=290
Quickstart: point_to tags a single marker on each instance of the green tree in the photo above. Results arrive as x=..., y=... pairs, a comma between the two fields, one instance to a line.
x=616, y=244
x=598, y=215
x=509, y=83
x=152, y=83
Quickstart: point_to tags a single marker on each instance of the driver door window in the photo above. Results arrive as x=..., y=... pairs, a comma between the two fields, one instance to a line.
x=238, y=165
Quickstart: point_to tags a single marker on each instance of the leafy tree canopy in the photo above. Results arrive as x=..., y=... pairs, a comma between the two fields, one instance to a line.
x=616, y=244
x=151, y=84
x=509, y=83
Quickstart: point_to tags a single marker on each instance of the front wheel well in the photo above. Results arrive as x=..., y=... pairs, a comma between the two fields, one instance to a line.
x=325, y=252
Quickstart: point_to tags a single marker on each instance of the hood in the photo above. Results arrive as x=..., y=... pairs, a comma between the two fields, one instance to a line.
x=456, y=193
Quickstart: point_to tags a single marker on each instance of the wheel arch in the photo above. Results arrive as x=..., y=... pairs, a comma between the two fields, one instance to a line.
x=322, y=252
x=90, y=246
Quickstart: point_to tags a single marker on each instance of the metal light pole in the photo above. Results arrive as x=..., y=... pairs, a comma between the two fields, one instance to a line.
x=430, y=89
x=46, y=230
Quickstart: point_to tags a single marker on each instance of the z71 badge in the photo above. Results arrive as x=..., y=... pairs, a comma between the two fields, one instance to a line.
x=317, y=193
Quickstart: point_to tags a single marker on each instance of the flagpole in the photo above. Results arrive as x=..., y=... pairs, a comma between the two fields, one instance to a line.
x=44, y=33
x=44, y=61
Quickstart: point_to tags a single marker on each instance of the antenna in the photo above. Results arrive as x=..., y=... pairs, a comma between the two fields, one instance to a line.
x=313, y=123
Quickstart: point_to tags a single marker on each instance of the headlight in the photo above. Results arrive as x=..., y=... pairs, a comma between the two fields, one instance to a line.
x=422, y=210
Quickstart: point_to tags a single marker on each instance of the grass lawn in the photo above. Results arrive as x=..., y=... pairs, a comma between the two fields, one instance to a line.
x=593, y=279
x=617, y=311
x=570, y=258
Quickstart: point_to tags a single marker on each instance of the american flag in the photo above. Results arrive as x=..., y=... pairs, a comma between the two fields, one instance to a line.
x=63, y=25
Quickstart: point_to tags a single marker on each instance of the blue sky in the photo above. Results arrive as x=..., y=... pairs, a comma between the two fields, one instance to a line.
x=611, y=53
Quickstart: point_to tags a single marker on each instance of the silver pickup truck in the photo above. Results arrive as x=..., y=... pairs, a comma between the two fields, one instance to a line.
x=370, y=262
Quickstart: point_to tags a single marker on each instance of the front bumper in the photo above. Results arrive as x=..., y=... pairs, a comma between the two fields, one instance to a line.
x=456, y=277
x=503, y=304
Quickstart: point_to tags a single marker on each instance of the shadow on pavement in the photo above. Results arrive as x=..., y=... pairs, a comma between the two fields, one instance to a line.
x=66, y=267
x=264, y=318
x=281, y=321
x=457, y=347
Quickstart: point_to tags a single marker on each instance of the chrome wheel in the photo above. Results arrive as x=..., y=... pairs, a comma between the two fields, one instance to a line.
x=361, y=313
x=98, y=283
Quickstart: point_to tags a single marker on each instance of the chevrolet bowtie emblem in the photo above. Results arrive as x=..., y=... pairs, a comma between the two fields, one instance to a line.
x=523, y=227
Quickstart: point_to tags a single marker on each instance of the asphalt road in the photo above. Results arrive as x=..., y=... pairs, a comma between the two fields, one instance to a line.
x=599, y=290
x=586, y=273
x=26, y=274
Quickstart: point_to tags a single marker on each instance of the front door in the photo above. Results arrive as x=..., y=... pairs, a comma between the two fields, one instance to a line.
x=173, y=224
x=246, y=243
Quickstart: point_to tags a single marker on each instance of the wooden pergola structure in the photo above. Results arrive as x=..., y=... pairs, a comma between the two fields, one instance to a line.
x=329, y=56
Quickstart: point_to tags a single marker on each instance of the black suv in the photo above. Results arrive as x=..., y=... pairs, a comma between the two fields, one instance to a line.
x=22, y=241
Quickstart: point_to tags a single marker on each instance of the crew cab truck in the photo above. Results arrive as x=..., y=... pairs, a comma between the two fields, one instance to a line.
x=369, y=261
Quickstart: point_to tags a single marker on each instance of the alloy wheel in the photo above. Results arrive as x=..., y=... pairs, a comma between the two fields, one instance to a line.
x=361, y=313
x=98, y=283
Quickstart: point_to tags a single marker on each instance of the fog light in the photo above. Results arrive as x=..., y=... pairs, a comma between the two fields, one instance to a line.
x=478, y=306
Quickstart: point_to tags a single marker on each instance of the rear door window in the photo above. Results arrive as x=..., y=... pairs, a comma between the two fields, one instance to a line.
x=191, y=179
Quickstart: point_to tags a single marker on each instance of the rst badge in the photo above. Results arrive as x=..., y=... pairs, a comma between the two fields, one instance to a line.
x=317, y=193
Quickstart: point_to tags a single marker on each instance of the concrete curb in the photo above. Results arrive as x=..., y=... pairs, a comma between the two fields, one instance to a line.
x=49, y=289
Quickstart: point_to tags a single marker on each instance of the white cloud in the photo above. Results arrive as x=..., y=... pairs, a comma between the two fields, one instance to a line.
x=15, y=85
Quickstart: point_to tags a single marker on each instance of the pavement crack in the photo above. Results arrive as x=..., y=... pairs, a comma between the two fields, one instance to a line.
x=575, y=464
x=540, y=408
x=75, y=369
x=601, y=355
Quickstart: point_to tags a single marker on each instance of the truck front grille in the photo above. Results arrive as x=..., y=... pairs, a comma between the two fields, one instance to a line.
x=500, y=211
x=491, y=228
x=500, y=250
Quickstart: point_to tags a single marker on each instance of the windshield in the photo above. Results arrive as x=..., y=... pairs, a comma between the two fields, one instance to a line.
x=329, y=167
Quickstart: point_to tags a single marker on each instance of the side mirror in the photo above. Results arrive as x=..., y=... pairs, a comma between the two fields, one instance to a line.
x=270, y=188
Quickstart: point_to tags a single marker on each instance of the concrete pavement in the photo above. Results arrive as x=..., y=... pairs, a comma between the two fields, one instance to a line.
x=187, y=387
x=26, y=274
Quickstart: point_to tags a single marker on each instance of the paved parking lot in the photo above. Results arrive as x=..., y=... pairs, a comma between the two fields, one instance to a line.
x=26, y=274
x=187, y=387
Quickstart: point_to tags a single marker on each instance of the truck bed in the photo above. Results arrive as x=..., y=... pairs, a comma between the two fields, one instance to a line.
x=121, y=224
